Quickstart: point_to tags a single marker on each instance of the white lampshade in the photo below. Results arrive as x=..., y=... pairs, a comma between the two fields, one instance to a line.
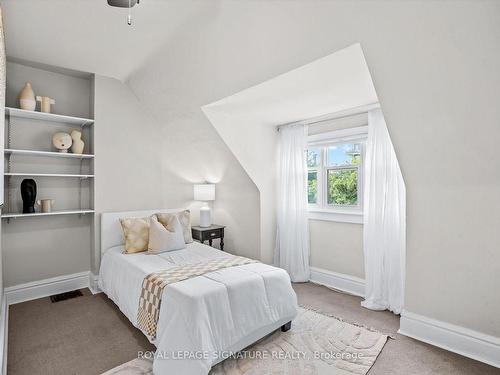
x=204, y=192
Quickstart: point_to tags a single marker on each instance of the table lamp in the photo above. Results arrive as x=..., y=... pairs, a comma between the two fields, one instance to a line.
x=204, y=193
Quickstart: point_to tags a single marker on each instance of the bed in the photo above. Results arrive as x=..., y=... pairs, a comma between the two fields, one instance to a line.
x=202, y=319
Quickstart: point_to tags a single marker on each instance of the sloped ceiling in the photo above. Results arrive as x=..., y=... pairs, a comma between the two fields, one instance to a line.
x=331, y=84
x=89, y=35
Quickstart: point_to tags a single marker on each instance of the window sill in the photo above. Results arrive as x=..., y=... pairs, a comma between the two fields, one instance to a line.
x=354, y=217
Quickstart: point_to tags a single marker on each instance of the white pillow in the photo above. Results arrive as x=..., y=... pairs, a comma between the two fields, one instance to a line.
x=184, y=218
x=163, y=238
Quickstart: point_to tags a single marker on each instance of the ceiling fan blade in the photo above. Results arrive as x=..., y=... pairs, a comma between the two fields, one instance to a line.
x=122, y=3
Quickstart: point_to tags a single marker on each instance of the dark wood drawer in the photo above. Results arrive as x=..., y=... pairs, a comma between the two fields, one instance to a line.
x=211, y=234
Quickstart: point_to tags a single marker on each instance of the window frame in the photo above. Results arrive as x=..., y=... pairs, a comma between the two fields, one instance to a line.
x=337, y=212
x=319, y=192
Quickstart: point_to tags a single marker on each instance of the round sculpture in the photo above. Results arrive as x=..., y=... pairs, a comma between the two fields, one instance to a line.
x=78, y=144
x=28, y=193
x=62, y=141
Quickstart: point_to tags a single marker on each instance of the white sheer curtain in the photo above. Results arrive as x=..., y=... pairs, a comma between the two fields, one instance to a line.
x=292, y=238
x=384, y=232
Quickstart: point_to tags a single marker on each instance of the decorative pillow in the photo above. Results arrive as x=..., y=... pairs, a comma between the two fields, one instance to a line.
x=184, y=218
x=136, y=232
x=163, y=238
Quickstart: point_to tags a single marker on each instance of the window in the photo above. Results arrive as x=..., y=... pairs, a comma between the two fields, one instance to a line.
x=335, y=174
x=312, y=187
x=313, y=164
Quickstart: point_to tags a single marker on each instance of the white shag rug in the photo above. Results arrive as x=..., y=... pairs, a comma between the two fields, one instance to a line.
x=317, y=344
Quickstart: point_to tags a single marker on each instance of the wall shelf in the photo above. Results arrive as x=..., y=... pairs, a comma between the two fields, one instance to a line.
x=50, y=117
x=10, y=151
x=24, y=142
x=49, y=175
x=53, y=213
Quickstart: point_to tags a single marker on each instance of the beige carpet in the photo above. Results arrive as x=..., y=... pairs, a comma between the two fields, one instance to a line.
x=316, y=344
x=89, y=335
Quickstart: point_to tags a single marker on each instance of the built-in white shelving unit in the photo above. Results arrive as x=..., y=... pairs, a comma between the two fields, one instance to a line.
x=40, y=120
x=66, y=179
x=59, y=212
x=11, y=151
x=49, y=117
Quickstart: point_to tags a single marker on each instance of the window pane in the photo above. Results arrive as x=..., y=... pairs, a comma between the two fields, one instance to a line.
x=312, y=187
x=313, y=157
x=342, y=186
x=344, y=154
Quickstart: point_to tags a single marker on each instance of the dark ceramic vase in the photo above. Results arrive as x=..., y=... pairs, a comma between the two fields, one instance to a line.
x=28, y=193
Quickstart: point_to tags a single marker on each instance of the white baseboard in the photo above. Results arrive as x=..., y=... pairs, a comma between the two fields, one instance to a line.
x=346, y=283
x=464, y=341
x=44, y=288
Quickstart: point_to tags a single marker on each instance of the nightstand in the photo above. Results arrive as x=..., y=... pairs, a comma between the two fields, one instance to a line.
x=209, y=233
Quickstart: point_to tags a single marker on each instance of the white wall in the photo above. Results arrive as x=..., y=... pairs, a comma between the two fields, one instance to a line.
x=435, y=67
x=337, y=247
x=143, y=162
x=128, y=152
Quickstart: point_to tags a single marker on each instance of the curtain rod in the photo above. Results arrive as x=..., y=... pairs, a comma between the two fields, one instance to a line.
x=335, y=115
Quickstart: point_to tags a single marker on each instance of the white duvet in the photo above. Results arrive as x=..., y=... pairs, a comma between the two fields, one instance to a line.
x=205, y=316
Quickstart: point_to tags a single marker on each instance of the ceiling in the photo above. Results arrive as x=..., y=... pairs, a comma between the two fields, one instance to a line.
x=89, y=35
x=334, y=83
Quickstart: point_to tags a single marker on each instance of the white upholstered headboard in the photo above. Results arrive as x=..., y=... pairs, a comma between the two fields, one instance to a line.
x=111, y=229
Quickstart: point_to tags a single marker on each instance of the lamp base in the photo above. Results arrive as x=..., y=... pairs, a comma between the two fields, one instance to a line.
x=205, y=217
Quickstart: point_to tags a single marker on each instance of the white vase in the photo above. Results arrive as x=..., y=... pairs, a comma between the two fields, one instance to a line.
x=27, y=98
x=78, y=144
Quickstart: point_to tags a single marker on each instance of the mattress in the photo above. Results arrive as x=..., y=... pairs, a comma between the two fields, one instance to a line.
x=206, y=316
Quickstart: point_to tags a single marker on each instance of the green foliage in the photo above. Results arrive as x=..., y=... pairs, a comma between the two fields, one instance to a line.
x=312, y=187
x=343, y=187
x=356, y=159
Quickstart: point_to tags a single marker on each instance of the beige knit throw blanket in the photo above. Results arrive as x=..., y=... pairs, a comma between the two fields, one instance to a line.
x=154, y=283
